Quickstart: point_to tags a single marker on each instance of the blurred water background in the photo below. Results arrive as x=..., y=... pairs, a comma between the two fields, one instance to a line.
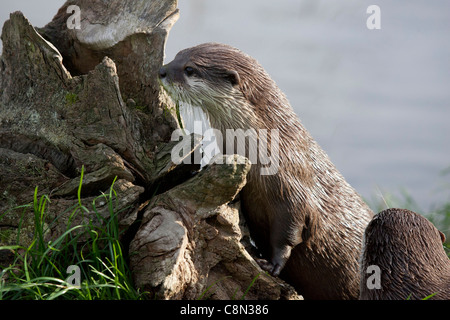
x=377, y=101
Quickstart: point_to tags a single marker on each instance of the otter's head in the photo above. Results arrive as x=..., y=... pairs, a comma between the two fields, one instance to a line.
x=228, y=85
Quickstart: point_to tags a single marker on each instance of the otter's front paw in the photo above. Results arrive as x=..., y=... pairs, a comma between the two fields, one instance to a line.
x=279, y=258
x=274, y=270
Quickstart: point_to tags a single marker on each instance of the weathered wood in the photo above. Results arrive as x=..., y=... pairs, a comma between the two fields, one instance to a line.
x=189, y=243
x=62, y=108
x=131, y=33
x=53, y=123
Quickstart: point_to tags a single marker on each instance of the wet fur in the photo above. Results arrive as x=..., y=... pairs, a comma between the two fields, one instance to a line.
x=408, y=249
x=307, y=207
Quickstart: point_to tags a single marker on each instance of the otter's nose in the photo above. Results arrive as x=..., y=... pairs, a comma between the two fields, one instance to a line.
x=162, y=72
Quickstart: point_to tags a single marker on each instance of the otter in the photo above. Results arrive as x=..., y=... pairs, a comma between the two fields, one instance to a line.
x=305, y=219
x=407, y=249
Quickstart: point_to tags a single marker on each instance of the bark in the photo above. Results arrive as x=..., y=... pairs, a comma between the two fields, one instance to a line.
x=189, y=243
x=62, y=107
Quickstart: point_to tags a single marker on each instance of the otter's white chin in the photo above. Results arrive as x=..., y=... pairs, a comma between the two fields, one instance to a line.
x=195, y=120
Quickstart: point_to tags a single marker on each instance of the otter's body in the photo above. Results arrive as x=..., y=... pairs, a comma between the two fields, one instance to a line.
x=407, y=249
x=305, y=219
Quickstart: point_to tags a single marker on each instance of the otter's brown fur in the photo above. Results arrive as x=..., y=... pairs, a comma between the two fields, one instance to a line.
x=306, y=219
x=408, y=250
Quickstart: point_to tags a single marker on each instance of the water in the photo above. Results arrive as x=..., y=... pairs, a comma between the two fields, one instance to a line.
x=377, y=101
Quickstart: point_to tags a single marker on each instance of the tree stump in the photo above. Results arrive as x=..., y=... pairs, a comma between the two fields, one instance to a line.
x=62, y=108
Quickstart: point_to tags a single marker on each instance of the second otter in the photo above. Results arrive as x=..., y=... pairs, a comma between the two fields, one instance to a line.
x=305, y=219
x=407, y=249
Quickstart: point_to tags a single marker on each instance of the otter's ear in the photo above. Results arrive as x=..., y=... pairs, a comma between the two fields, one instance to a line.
x=233, y=77
x=442, y=236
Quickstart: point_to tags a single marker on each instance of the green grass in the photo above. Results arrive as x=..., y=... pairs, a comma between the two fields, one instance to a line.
x=40, y=269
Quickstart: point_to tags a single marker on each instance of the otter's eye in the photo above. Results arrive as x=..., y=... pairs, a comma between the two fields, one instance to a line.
x=189, y=71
